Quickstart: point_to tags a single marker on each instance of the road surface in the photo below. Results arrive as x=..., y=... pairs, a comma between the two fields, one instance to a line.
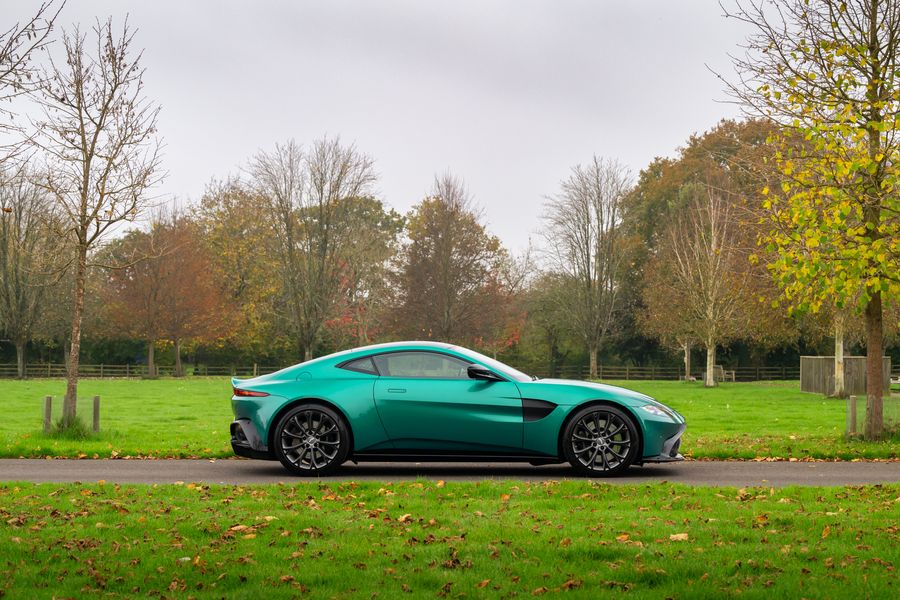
x=244, y=472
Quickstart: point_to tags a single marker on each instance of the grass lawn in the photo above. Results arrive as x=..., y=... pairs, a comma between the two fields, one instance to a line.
x=428, y=539
x=190, y=417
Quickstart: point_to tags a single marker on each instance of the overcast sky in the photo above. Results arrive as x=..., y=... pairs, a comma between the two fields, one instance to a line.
x=508, y=95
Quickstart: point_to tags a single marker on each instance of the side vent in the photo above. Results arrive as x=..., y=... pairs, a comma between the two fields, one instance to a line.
x=535, y=410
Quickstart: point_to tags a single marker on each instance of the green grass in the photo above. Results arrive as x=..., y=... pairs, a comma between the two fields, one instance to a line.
x=427, y=539
x=190, y=417
x=162, y=417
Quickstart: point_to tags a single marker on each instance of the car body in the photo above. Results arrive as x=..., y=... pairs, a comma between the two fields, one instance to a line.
x=429, y=401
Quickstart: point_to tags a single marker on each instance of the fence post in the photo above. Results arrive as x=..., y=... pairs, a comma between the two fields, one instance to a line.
x=127, y=370
x=101, y=370
x=255, y=370
x=48, y=413
x=851, y=415
x=626, y=373
x=96, y=414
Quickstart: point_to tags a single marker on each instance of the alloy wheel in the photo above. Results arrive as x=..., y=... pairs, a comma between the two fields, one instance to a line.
x=310, y=440
x=601, y=442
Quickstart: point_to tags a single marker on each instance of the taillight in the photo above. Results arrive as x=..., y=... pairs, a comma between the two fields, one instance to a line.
x=249, y=393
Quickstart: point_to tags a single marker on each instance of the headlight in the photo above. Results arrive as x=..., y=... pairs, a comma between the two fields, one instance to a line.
x=659, y=412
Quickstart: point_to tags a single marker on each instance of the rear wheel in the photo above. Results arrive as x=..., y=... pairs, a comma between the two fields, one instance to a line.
x=600, y=441
x=311, y=439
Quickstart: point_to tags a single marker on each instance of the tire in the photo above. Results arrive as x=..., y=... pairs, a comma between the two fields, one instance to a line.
x=311, y=440
x=600, y=441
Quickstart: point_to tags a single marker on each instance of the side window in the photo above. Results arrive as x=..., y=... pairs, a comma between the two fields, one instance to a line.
x=361, y=365
x=425, y=365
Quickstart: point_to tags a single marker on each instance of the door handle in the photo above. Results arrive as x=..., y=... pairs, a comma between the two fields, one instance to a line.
x=397, y=390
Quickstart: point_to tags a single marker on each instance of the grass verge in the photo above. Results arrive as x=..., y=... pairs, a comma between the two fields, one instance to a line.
x=179, y=418
x=488, y=539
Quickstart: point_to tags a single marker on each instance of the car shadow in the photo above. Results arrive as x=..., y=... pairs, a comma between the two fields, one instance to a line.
x=468, y=471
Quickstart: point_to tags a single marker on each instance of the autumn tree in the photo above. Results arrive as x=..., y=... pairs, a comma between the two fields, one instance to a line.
x=372, y=238
x=235, y=228
x=545, y=332
x=27, y=257
x=828, y=71
x=166, y=290
x=733, y=155
x=304, y=191
x=503, y=311
x=586, y=243
x=97, y=140
x=446, y=266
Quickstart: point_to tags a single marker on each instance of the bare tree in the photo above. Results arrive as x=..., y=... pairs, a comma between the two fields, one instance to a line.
x=704, y=261
x=26, y=257
x=98, y=140
x=304, y=191
x=586, y=244
x=18, y=76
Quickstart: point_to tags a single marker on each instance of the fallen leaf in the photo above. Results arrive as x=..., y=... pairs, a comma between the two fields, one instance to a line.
x=826, y=532
x=483, y=583
x=679, y=537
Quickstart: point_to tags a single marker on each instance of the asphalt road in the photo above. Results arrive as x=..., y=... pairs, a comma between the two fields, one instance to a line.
x=243, y=472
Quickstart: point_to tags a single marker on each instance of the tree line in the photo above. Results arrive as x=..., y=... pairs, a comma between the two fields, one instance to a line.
x=772, y=233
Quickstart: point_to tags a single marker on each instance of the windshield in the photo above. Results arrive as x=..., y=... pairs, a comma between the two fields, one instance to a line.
x=496, y=365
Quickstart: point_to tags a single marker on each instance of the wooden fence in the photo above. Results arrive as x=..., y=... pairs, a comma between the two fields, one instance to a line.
x=817, y=374
x=606, y=372
x=55, y=370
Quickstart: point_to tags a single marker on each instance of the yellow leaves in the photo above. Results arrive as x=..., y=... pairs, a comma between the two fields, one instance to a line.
x=405, y=518
x=482, y=584
x=826, y=531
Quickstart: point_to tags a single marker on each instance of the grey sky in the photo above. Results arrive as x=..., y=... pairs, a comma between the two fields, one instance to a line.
x=508, y=95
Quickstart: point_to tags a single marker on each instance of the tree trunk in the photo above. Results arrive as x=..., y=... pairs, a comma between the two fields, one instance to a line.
x=874, y=368
x=70, y=404
x=307, y=353
x=66, y=349
x=179, y=372
x=151, y=362
x=593, y=352
x=839, y=388
x=687, y=360
x=20, y=359
x=710, y=380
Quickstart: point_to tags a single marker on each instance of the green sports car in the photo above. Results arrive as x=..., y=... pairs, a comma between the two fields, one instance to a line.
x=428, y=401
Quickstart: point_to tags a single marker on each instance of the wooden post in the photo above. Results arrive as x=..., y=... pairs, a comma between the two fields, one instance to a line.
x=255, y=370
x=851, y=415
x=127, y=370
x=48, y=413
x=101, y=370
x=96, y=414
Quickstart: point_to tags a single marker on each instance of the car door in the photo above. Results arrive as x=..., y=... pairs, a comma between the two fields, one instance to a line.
x=427, y=401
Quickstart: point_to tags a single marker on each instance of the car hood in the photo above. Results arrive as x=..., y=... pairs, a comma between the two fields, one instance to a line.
x=579, y=390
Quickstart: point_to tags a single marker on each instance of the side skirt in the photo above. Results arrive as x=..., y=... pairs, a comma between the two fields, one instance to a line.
x=433, y=456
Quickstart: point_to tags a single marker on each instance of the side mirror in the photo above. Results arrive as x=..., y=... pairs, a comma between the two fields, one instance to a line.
x=483, y=373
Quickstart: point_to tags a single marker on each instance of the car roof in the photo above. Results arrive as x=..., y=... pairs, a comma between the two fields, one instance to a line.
x=392, y=345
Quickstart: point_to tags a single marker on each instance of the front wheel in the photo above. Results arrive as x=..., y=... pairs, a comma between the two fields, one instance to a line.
x=311, y=439
x=600, y=441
